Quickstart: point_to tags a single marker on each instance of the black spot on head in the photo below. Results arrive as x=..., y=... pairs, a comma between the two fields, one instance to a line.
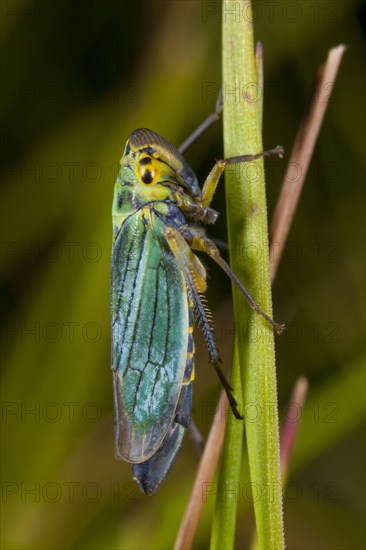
x=147, y=176
x=148, y=150
x=144, y=161
x=119, y=200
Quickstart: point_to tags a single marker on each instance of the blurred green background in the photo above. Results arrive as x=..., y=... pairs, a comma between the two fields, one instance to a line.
x=77, y=78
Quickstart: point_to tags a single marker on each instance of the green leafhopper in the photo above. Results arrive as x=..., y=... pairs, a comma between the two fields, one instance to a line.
x=157, y=288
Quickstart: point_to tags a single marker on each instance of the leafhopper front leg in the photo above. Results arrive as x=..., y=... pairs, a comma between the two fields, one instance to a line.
x=200, y=242
x=213, y=178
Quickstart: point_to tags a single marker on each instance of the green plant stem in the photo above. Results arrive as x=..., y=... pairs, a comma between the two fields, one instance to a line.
x=224, y=520
x=254, y=358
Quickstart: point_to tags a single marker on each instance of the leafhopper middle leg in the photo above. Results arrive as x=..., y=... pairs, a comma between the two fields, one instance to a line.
x=199, y=241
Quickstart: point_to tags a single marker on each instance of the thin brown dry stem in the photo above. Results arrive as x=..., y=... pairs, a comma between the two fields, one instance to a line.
x=204, y=475
x=301, y=155
x=284, y=214
x=291, y=425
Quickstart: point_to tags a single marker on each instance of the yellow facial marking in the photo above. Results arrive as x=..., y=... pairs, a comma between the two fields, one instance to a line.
x=147, y=170
x=151, y=170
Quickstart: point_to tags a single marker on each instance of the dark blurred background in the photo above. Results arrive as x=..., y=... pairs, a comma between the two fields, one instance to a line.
x=77, y=78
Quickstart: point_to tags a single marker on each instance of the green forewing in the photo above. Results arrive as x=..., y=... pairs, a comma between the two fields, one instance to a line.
x=149, y=335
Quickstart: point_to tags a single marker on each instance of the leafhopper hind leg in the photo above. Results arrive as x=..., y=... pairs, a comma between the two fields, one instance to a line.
x=200, y=242
x=195, y=281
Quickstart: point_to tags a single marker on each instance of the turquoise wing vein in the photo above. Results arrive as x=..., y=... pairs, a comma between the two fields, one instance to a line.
x=149, y=336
